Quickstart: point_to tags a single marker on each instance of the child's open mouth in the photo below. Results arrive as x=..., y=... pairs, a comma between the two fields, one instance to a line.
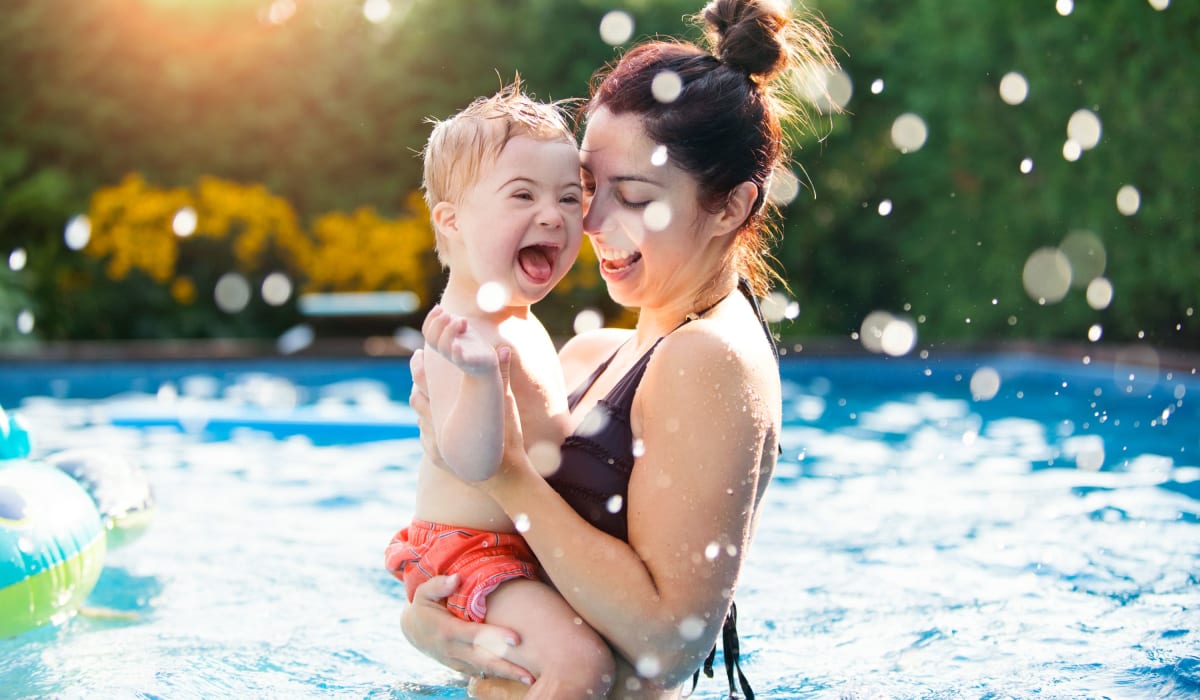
x=537, y=262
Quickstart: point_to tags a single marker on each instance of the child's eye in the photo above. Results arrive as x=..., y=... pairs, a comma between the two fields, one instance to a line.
x=570, y=199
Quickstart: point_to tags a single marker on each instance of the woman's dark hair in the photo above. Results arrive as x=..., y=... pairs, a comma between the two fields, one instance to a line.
x=724, y=125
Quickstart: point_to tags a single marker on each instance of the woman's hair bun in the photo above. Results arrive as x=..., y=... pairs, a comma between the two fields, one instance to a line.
x=749, y=35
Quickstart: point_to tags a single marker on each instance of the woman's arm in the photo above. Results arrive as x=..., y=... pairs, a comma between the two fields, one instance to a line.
x=702, y=414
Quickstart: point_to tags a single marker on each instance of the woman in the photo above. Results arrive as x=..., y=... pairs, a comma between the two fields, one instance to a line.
x=645, y=523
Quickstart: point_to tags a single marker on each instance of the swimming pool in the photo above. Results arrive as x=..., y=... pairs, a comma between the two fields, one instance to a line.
x=981, y=526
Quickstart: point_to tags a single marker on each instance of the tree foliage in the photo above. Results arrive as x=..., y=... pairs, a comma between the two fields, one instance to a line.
x=326, y=110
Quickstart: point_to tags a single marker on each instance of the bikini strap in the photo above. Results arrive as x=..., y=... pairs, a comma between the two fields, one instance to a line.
x=731, y=653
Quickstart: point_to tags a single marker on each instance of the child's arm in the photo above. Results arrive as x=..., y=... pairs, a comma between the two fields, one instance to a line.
x=470, y=424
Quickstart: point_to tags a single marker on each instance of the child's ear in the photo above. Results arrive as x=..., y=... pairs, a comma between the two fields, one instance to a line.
x=445, y=218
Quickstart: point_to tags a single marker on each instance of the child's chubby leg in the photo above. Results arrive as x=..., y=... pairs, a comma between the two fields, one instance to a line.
x=567, y=658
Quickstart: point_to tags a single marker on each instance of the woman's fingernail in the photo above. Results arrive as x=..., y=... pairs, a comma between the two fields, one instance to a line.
x=512, y=642
x=526, y=680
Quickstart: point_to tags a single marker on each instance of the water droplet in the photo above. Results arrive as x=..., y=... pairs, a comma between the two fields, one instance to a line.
x=885, y=207
x=909, y=133
x=639, y=447
x=588, y=320
x=1064, y=7
x=711, y=551
x=657, y=215
x=614, y=503
x=649, y=666
x=659, y=156
x=1160, y=5
x=521, y=522
x=1014, y=88
x=17, y=259
x=691, y=628
x=616, y=27
x=877, y=86
x=78, y=232
x=492, y=296
x=1095, y=332
x=546, y=457
x=1086, y=254
x=184, y=223
x=666, y=86
x=1027, y=165
x=985, y=384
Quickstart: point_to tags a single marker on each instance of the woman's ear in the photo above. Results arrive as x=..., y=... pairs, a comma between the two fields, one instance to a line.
x=738, y=207
x=445, y=219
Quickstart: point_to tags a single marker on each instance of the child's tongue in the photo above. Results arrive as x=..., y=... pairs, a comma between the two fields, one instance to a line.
x=536, y=263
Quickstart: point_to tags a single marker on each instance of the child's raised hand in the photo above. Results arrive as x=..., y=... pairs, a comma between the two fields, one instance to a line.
x=452, y=338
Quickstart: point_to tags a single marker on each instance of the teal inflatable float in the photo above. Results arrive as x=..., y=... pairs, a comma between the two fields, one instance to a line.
x=58, y=517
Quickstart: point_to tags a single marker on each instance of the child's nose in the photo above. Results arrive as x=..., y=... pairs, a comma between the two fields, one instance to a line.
x=550, y=217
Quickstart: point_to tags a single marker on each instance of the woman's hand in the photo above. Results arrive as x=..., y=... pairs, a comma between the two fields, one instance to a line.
x=476, y=649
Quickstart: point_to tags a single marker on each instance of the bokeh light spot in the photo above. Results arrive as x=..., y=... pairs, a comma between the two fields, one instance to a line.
x=616, y=27
x=1064, y=7
x=1095, y=332
x=1071, y=150
x=295, y=339
x=231, y=293
x=1084, y=129
x=1027, y=165
x=545, y=456
x=899, y=337
x=588, y=320
x=774, y=307
x=909, y=133
x=1099, y=293
x=376, y=11
x=783, y=187
x=1085, y=252
x=659, y=157
x=492, y=296
x=521, y=522
x=690, y=628
x=657, y=215
x=985, y=384
x=276, y=289
x=614, y=503
x=25, y=322
x=184, y=222
x=885, y=207
x=17, y=259
x=1129, y=200
x=1047, y=275
x=78, y=232
x=1160, y=5
x=1014, y=88
x=877, y=86
x=666, y=86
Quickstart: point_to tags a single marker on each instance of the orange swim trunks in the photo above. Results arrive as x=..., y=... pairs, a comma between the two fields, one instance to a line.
x=483, y=560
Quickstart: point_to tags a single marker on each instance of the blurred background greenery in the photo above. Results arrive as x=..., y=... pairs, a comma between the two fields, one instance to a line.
x=1002, y=171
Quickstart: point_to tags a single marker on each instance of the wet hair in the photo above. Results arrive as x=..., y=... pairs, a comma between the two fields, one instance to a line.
x=463, y=146
x=724, y=128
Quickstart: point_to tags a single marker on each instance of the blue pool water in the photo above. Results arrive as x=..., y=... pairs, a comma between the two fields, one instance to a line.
x=985, y=526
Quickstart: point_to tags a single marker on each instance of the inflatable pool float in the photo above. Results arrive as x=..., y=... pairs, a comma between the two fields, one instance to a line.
x=58, y=517
x=52, y=544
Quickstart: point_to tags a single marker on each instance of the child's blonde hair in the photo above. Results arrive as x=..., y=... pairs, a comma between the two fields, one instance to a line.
x=461, y=147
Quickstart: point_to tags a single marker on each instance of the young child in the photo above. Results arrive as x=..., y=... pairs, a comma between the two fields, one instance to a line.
x=503, y=186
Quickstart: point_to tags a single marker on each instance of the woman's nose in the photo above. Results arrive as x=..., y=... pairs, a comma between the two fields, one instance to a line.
x=592, y=218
